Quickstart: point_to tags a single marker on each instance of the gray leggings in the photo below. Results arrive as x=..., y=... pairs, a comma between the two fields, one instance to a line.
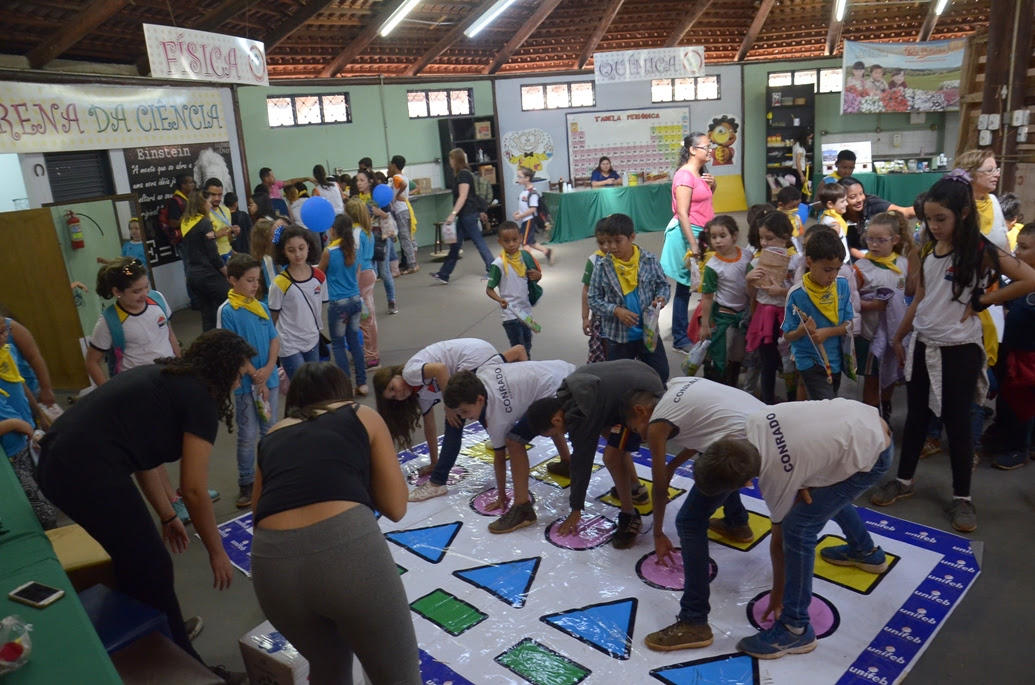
x=332, y=590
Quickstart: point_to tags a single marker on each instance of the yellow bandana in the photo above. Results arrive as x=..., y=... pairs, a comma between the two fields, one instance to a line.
x=250, y=303
x=628, y=272
x=888, y=262
x=600, y=253
x=796, y=227
x=8, y=368
x=986, y=215
x=842, y=225
x=825, y=299
x=189, y=223
x=516, y=262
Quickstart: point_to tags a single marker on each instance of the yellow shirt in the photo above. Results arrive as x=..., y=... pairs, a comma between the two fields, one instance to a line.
x=1012, y=234
x=220, y=218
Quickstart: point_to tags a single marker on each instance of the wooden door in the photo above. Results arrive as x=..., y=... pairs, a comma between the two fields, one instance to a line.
x=34, y=286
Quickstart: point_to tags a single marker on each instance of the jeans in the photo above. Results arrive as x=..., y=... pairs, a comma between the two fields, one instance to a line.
x=249, y=429
x=291, y=362
x=406, y=244
x=692, y=527
x=803, y=525
x=635, y=349
x=447, y=455
x=816, y=386
x=680, y=315
x=384, y=270
x=466, y=224
x=519, y=334
x=343, y=317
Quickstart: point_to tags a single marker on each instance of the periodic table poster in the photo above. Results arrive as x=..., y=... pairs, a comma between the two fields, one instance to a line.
x=636, y=140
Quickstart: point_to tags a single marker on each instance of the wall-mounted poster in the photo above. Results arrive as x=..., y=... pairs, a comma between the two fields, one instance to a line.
x=636, y=140
x=902, y=77
x=532, y=148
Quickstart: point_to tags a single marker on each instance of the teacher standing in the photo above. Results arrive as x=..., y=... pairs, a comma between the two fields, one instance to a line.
x=130, y=427
x=692, y=188
x=984, y=171
x=467, y=207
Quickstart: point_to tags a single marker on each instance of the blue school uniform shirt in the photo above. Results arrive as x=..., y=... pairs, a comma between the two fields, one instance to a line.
x=366, y=249
x=805, y=356
x=257, y=331
x=24, y=367
x=134, y=250
x=342, y=280
x=14, y=405
x=632, y=303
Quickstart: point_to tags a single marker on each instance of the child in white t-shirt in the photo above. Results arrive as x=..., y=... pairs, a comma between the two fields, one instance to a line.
x=525, y=216
x=724, y=298
x=516, y=274
x=296, y=300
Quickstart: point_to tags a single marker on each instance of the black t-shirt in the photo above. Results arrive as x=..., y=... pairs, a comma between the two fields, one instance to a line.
x=134, y=422
x=473, y=204
x=175, y=206
x=872, y=206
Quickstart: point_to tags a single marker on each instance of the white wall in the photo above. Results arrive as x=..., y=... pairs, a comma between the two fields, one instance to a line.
x=12, y=185
x=632, y=95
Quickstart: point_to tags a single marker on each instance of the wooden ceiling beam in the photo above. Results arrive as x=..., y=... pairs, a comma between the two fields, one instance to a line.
x=294, y=22
x=687, y=24
x=605, y=22
x=220, y=15
x=526, y=30
x=756, y=28
x=447, y=41
x=928, y=27
x=75, y=29
x=358, y=44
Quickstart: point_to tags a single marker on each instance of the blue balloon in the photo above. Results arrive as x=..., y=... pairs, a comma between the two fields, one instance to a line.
x=317, y=214
x=383, y=195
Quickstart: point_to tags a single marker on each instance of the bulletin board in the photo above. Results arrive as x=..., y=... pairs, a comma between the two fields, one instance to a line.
x=636, y=140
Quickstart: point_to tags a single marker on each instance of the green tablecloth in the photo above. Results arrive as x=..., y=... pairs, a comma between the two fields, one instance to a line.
x=898, y=189
x=65, y=647
x=575, y=214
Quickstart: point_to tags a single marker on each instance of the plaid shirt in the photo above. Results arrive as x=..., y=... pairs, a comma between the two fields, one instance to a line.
x=605, y=293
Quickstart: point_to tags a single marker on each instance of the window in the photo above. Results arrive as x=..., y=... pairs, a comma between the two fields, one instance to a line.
x=558, y=96
x=683, y=89
x=440, y=103
x=830, y=80
x=779, y=79
x=307, y=110
x=802, y=78
x=823, y=81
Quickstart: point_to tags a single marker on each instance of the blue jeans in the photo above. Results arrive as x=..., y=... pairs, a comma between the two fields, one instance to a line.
x=519, y=334
x=343, y=319
x=291, y=362
x=692, y=527
x=803, y=525
x=384, y=270
x=469, y=226
x=635, y=349
x=680, y=315
x=249, y=429
x=451, y=441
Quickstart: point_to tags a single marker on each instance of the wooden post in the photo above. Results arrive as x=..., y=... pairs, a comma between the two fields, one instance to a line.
x=1019, y=47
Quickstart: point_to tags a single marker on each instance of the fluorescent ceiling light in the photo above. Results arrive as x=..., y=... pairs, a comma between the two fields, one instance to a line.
x=487, y=18
x=397, y=16
x=839, y=11
x=940, y=7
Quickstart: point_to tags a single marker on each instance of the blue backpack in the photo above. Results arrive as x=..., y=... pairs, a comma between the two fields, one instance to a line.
x=118, y=335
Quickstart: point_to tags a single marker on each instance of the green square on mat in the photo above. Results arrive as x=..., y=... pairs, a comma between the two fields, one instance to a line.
x=452, y=615
x=541, y=666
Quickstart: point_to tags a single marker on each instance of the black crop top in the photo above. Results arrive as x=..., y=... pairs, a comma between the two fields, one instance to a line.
x=320, y=460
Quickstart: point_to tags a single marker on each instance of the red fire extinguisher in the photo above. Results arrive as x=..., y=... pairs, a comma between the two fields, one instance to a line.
x=75, y=230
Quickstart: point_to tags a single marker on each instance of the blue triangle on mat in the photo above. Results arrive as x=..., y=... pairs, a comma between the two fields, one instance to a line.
x=429, y=543
x=727, y=669
x=607, y=626
x=508, y=581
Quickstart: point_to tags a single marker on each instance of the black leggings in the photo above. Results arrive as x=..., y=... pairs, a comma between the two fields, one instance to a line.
x=113, y=513
x=770, y=365
x=210, y=292
x=961, y=365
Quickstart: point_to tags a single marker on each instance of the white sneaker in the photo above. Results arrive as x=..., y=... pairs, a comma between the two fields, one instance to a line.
x=427, y=491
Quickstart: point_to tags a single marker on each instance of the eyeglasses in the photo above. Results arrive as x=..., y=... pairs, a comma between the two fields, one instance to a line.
x=992, y=170
x=701, y=147
x=873, y=240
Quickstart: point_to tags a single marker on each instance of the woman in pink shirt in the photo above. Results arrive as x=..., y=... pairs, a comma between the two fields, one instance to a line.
x=692, y=188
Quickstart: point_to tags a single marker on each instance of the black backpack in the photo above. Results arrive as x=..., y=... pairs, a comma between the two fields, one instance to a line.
x=541, y=218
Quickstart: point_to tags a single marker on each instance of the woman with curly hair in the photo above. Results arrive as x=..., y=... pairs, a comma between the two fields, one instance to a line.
x=133, y=425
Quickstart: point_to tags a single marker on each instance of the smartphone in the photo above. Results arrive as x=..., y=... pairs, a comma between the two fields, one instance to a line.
x=36, y=594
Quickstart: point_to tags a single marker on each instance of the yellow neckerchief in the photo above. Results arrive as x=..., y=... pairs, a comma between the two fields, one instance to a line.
x=888, y=262
x=516, y=262
x=367, y=198
x=825, y=299
x=188, y=223
x=796, y=227
x=177, y=192
x=237, y=301
x=8, y=368
x=413, y=218
x=841, y=223
x=628, y=272
x=986, y=215
x=791, y=251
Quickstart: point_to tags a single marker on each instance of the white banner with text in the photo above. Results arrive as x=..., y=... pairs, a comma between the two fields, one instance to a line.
x=201, y=56
x=643, y=65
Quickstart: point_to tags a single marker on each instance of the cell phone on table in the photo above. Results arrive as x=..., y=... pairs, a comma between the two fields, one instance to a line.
x=36, y=594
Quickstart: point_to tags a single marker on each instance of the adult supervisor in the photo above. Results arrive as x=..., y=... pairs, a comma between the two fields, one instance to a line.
x=861, y=208
x=692, y=188
x=130, y=426
x=984, y=172
x=604, y=175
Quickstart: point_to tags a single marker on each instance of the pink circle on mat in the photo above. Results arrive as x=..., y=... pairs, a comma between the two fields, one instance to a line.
x=667, y=577
x=591, y=532
x=822, y=614
x=482, y=500
x=455, y=476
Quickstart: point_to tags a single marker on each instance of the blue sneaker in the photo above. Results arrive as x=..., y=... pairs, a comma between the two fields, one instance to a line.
x=778, y=641
x=181, y=511
x=839, y=555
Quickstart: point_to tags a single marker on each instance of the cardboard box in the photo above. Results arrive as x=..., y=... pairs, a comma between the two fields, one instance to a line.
x=269, y=659
x=423, y=185
x=488, y=173
x=483, y=130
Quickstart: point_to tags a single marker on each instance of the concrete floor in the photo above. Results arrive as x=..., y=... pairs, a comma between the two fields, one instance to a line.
x=994, y=608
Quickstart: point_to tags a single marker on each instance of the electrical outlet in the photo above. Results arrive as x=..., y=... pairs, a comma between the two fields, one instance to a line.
x=982, y=122
x=985, y=138
x=1022, y=134
x=993, y=122
x=1021, y=117
x=896, y=140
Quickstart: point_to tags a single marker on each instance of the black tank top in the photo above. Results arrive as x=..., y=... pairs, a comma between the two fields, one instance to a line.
x=320, y=460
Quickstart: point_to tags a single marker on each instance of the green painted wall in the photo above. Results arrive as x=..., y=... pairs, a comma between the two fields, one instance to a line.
x=375, y=131
x=828, y=118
